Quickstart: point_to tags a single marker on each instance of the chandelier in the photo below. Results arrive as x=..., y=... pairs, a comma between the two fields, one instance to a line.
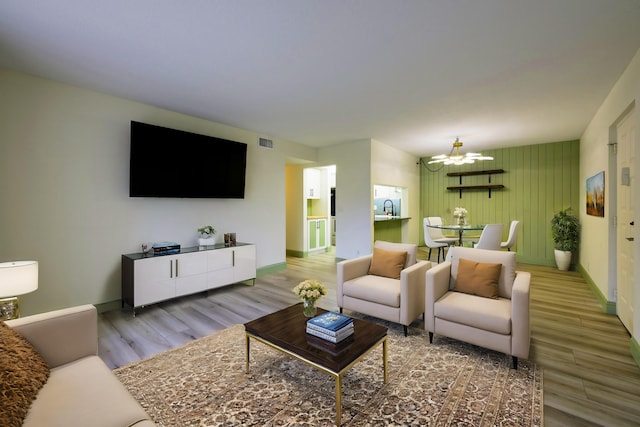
x=456, y=158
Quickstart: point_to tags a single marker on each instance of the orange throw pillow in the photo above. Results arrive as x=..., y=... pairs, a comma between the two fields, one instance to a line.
x=387, y=263
x=478, y=278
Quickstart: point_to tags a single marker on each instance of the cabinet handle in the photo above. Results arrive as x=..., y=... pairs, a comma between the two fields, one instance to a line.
x=177, y=268
x=233, y=258
x=171, y=269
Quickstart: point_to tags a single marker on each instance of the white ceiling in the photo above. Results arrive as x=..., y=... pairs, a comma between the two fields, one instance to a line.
x=414, y=74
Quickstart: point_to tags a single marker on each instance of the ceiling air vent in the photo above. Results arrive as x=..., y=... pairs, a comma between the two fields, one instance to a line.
x=265, y=143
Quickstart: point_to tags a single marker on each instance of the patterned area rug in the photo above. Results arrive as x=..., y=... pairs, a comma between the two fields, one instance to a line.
x=447, y=383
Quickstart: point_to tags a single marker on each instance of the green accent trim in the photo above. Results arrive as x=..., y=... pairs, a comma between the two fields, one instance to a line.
x=273, y=268
x=304, y=254
x=297, y=254
x=635, y=350
x=108, y=306
x=609, y=307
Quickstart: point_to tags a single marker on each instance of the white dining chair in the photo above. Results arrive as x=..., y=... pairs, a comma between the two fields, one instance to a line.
x=513, y=235
x=490, y=238
x=437, y=234
x=432, y=243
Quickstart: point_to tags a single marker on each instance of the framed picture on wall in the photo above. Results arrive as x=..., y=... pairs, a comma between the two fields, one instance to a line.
x=595, y=195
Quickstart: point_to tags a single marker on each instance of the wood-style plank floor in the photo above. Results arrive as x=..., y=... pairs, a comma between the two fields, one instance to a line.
x=590, y=378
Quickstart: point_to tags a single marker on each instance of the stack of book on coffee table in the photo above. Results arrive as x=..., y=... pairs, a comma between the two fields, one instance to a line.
x=331, y=326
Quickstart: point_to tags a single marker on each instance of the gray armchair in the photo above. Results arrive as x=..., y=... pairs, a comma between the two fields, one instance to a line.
x=500, y=323
x=399, y=300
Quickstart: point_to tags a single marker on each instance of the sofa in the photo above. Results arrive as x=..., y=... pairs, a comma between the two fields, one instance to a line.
x=388, y=284
x=80, y=390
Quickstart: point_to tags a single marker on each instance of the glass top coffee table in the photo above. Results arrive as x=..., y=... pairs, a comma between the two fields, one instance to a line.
x=285, y=330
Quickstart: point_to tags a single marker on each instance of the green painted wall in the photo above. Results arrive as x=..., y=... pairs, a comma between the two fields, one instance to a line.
x=389, y=231
x=539, y=180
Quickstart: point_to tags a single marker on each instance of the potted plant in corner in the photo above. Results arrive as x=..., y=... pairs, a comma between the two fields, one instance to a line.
x=206, y=235
x=565, y=231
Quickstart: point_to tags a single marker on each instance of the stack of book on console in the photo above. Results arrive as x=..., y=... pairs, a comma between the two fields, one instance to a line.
x=330, y=326
x=165, y=248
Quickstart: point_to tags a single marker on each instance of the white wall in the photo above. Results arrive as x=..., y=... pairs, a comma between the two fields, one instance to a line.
x=594, y=154
x=354, y=226
x=64, y=158
x=360, y=165
x=392, y=167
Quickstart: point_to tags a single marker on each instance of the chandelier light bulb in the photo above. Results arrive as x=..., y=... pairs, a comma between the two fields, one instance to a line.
x=456, y=158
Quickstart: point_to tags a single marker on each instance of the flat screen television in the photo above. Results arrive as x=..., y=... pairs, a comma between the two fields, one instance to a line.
x=167, y=162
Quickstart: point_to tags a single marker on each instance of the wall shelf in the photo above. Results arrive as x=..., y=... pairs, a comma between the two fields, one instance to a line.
x=488, y=186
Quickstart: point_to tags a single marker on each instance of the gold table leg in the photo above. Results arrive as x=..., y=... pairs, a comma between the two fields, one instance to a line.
x=384, y=359
x=338, y=399
x=246, y=370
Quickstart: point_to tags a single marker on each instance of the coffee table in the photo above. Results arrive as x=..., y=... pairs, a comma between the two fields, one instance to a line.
x=284, y=330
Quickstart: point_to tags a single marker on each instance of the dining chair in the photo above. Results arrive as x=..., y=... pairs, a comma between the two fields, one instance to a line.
x=437, y=234
x=490, y=238
x=513, y=235
x=439, y=241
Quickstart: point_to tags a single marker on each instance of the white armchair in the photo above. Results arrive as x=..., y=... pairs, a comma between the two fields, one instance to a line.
x=454, y=309
x=399, y=300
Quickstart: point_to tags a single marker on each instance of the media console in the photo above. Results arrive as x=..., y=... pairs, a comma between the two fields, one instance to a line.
x=148, y=279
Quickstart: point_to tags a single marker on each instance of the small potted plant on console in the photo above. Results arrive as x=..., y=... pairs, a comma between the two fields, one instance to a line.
x=206, y=235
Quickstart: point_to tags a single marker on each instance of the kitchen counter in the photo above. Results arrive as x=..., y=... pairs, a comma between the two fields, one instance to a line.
x=384, y=218
x=317, y=217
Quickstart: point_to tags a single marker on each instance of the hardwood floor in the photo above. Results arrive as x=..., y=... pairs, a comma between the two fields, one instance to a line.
x=590, y=378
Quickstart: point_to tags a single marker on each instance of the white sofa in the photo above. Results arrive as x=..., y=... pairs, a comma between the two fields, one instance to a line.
x=500, y=323
x=81, y=390
x=397, y=300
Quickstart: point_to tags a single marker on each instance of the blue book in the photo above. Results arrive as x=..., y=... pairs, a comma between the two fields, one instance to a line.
x=330, y=320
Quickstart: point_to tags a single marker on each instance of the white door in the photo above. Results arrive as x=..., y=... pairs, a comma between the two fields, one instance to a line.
x=625, y=229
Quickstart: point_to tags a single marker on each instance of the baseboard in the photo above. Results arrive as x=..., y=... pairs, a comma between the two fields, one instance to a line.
x=303, y=254
x=273, y=268
x=296, y=254
x=108, y=306
x=609, y=307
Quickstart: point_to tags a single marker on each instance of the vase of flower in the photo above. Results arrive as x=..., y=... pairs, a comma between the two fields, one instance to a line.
x=461, y=215
x=309, y=307
x=309, y=291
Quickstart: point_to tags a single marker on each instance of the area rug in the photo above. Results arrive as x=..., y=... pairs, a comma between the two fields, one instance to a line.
x=447, y=383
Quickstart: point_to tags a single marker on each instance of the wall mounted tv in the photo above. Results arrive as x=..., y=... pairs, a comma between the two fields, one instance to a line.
x=173, y=163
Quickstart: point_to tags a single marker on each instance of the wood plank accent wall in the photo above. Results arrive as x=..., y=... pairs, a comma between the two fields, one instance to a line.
x=539, y=180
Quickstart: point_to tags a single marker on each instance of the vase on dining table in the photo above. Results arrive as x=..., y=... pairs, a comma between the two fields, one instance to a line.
x=462, y=220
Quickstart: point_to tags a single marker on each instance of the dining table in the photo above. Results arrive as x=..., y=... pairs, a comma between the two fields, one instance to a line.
x=459, y=228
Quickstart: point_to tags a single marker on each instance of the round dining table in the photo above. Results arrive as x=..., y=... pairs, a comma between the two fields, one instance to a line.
x=459, y=228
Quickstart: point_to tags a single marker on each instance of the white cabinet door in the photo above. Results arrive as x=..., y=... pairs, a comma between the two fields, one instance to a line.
x=244, y=263
x=317, y=238
x=191, y=273
x=154, y=280
x=219, y=267
x=311, y=183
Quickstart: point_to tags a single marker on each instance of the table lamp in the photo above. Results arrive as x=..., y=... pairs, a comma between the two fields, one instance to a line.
x=16, y=278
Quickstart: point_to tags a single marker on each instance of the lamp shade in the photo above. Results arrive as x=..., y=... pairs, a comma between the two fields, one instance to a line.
x=18, y=277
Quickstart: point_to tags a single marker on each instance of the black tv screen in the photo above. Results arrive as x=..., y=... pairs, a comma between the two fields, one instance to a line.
x=167, y=162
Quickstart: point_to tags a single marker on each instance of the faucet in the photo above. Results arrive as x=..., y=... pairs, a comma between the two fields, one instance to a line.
x=384, y=207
